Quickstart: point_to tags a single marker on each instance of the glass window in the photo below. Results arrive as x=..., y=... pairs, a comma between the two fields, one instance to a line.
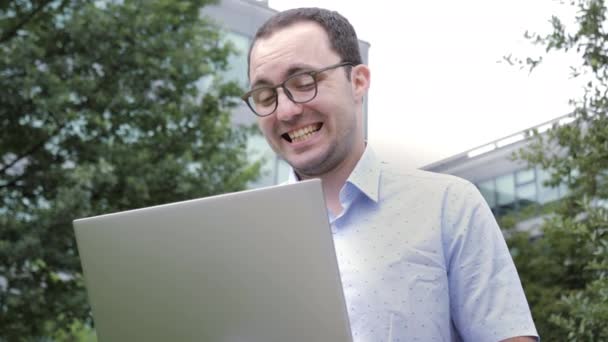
x=257, y=149
x=505, y=191
x=526, y=195
x=524, y=176
x=236, y=69
x=563, y=190
x=237, y=63
x=488, y=191
x=546, y=193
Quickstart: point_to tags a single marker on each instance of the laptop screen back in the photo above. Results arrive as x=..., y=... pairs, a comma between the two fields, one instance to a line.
x=258, y=265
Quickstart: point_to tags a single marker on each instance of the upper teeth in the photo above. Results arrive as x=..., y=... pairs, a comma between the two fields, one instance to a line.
x=301, y=132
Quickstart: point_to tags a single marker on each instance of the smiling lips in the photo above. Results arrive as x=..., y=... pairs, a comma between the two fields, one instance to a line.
x=301, y=134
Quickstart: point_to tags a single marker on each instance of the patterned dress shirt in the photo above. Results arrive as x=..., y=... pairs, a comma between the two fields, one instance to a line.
x=422, y=259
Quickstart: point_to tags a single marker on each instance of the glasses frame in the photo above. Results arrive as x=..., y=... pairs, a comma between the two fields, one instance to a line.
x=312, y=73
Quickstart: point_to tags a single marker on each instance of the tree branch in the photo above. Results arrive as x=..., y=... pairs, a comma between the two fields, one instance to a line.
x=10, y=33
x=12, y=182
x=23, y=155
x=34, y=148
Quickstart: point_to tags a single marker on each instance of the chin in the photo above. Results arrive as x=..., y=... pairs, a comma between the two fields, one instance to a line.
x=312, y=166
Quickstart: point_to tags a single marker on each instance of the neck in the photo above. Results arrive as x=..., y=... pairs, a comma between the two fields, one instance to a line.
x=334, y=180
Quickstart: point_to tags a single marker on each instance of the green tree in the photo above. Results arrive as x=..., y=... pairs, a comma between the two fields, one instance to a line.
x=101, y=110
x=565, y=271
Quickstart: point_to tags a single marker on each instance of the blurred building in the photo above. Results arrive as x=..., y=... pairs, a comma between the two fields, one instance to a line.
x=509, y=186
x=240, y=20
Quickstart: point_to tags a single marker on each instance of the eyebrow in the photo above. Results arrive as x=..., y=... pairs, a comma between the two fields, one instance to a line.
x=295, y=69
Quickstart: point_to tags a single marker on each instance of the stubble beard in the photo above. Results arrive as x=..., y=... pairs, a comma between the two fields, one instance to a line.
x=335, y=155
x=329, y=161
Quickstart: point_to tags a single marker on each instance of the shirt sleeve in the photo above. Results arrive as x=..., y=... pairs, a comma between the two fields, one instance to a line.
x=487, y=301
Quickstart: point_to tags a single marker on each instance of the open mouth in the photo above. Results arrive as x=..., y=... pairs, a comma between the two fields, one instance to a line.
x=302, y=134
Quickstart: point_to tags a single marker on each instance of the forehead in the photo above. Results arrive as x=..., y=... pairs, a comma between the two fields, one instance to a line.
x=300, y=45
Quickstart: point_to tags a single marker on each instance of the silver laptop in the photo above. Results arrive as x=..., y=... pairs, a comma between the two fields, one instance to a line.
x=252, y=266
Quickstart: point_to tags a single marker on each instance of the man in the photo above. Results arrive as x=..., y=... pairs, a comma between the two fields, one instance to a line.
x=420, y=255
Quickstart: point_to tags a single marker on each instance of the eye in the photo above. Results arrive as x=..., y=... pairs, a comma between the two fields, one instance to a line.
x=264, y=96
x=304, y=82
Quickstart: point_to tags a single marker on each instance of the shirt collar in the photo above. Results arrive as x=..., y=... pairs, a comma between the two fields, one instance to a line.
x=292, y=178
x=365, y=176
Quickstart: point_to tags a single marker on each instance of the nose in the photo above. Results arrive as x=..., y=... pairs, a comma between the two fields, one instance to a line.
x=287, y=110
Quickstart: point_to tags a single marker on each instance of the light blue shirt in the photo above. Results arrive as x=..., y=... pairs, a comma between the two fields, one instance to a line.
x=422, y=259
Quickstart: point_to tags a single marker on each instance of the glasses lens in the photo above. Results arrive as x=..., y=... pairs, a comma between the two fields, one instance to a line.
x=263, y=100
x=302, y=88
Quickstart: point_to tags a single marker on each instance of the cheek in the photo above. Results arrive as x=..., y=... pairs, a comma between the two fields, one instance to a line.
x=337, y=114
x=336, y=102
x=265, y=126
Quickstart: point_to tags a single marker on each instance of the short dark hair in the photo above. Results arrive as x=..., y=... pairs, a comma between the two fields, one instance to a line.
x=342, y=37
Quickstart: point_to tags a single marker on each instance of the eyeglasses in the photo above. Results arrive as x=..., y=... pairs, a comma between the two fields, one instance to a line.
x=299, y=88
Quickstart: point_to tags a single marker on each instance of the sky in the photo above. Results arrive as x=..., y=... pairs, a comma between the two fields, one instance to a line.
x=439, y=85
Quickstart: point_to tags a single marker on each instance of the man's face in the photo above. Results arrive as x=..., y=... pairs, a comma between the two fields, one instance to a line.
x=317, y=136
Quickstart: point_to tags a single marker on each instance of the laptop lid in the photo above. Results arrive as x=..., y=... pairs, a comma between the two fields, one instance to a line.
x=257, y=265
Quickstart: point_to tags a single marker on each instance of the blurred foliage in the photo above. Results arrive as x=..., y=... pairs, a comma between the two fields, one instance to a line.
x=104, y=106
x=564, y=272
x=78, y=331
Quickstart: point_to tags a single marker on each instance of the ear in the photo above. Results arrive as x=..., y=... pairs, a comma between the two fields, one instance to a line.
x=360, y=79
